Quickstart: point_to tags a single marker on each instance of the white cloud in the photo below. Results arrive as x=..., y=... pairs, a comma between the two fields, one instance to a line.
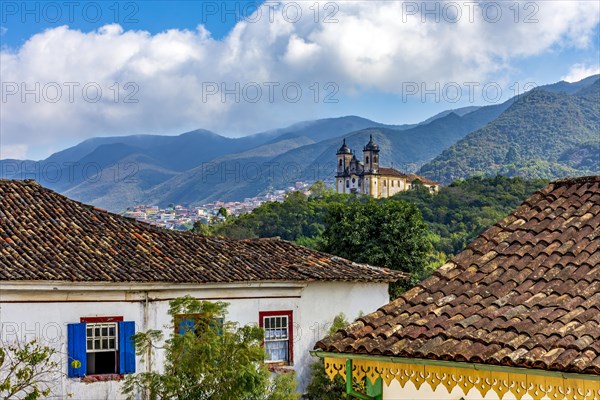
x=578, y=72
x=373, y=46
x=15, y=151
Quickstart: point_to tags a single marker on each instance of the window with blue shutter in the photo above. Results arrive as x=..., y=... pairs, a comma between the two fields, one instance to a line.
x=197, y=322
x=101, y=346
x=76, y=350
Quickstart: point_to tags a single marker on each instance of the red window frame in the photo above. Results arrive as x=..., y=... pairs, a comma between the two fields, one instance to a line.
x=285, y=313
x=92, y=320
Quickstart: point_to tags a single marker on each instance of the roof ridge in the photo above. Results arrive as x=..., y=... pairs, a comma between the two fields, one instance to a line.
x=264, y=239
x=577, y=179
x=28, y=181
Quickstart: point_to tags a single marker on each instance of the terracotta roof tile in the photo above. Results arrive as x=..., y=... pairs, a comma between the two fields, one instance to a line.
x=46, y=236
x=409, y=177
x=525, y=293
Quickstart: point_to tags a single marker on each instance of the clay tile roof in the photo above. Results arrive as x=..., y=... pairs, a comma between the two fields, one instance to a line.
x=409, y=177
x=525, y=293
x=391, y=172
x=46, y=236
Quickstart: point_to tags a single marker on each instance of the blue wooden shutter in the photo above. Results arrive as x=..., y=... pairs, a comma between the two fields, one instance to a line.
x=126, y=347
x=76, y=345
x=186, y=325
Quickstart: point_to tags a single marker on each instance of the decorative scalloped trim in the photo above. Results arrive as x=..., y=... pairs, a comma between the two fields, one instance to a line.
x=537, y=386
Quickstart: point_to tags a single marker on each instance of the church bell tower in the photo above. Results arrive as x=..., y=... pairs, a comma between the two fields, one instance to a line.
x=344, y=156
x=371, y=157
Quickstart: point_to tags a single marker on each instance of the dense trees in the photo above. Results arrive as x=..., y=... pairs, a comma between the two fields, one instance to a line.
x=208, y=358
x=386, y=232
x=466, y=208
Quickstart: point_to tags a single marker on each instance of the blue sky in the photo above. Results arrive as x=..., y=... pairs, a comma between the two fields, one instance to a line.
x=22, y=22
x=178, y=60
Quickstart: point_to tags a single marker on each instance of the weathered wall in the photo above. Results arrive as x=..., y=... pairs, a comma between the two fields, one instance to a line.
x=44, y=310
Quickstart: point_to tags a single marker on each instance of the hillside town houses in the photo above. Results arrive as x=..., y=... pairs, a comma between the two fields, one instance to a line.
x=183, y=218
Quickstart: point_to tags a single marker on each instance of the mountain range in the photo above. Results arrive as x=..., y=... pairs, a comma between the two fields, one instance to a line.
x=542, y=135
x=549, y=132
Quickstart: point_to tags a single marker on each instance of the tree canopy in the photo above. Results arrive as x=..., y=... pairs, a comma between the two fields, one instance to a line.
x=388, y=232
x=208, y=358
x=465, y=208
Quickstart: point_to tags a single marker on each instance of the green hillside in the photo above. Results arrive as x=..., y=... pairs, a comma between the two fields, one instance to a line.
x=455, y=216
x=542, y=135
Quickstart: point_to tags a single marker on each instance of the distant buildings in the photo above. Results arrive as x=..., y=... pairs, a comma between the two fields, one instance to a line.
x=353, y=176
x=179, y=217
x=367, y=177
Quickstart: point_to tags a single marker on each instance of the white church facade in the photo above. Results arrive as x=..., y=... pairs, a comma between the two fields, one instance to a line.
x=367, y=177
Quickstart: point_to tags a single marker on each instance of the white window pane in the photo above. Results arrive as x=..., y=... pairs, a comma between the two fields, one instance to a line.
x=277, y=351
x=276, y=337
x=101, y=337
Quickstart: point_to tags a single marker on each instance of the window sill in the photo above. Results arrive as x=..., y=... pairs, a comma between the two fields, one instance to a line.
x=279, y=367
x=101, y=378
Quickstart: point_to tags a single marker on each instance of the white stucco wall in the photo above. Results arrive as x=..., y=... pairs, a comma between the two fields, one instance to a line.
x=320, y=303
x=340, y=185
x=353, y=185
x=44, y=310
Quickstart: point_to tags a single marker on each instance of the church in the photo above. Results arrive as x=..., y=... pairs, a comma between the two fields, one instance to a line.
x=368, y=178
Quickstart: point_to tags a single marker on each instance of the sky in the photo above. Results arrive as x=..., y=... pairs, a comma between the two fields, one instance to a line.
x=74, y=70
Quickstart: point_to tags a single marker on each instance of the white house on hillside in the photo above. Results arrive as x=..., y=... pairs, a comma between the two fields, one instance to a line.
x=84, y=280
